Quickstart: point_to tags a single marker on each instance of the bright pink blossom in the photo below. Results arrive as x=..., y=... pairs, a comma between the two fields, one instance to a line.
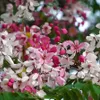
x=10, y=84
x=56, y=61
x=62, y=51
x=82, y=58
x=58, y=32
x=45, y=42
x=64, y=31
x=53, y=49
x=11, y=80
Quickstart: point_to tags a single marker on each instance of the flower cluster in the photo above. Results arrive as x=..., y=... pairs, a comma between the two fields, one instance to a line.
x=49, y=10
x=30, y=59
x=32, y=56
x=90, y=60
x=23, y=11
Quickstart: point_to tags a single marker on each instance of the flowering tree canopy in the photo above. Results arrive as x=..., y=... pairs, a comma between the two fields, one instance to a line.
x=42, y=54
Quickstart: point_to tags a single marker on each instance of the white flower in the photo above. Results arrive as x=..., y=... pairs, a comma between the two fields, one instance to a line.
x=15, y=85
x=41, y=93
x=9, y=7
x=6, y=49
x=91, y=57
x=98, y=43
x=24, y=77
x=32, y=4
x=34, y=79
x=46, y=68
x=35, y=76
x=29, y=69
x=95, y=80
x=98, y=25
x=81, y=74
x=73, y=76
x=6, y=17
x=28, y=15
x=93, y=39
x=73, y=73
x=24, y=13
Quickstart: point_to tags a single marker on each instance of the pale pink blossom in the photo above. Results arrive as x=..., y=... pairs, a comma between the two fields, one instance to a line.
x=75, y=46
x=35, y=30
x=9, y=7
x=19, y=2
x=46, y=28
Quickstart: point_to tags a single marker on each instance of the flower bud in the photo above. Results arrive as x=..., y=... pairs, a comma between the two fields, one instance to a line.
x=11, y=80
x=57, y=39
x=64, y=31
x=81, y=58
x=10, y=84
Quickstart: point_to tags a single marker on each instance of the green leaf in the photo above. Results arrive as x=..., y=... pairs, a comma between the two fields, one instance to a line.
x=78, y=94
x=5, y=64
x=18, y=96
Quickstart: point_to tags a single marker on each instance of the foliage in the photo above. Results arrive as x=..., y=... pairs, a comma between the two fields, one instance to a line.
x=76, y=90
x=17, y=96
x=93, y=4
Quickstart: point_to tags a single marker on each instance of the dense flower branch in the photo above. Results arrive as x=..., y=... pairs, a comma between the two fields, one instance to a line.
x=44, y=63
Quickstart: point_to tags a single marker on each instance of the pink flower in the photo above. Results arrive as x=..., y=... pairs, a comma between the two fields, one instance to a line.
x=60, y=81
x=75, y=46
x=27, y=28
x=44, y=57
x=26, y=57
x=21, y=38
x=29, y=89
x=45, y=42
x=64, y=31
x=4, y=25
x=19, y=2
x=10, y=82
x=36, y=41
x=62, y=72
x=46, y=28
x=66, y=62
x=13, y=27
x=31, y=42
